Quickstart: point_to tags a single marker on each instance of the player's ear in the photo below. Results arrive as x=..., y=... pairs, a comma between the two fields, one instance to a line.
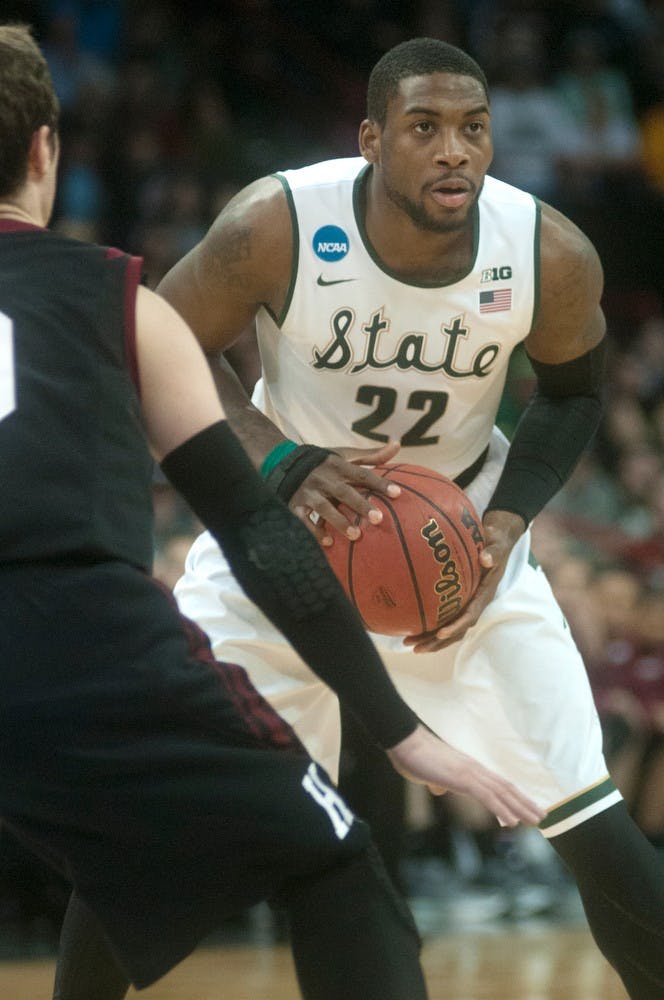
x=41, y=152
x=369, y=140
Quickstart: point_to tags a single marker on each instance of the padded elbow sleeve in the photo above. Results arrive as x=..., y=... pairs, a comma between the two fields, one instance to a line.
x=282, y=569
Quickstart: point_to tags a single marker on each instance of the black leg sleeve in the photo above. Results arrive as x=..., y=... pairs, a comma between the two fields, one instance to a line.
x=621, y=880
x=86, y=968
x=352, y=935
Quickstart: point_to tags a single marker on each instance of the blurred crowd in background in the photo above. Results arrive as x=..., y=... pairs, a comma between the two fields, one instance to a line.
x=169, y=108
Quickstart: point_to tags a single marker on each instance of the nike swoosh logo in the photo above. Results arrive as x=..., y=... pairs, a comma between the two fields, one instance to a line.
x=338, y=281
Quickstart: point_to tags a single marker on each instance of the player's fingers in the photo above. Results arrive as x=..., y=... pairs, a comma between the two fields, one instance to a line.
x=316, y=526
x=363, y=504
x=331, y=520
x=329, y=485
x=510, y=805
x=316, y=519
x=501, y=797
x=370, y=456
x=458, y=628
x=353, y=466
x=427, y=643
x=364, y=478
x=510, y=815
x=360, y=505
x=486, y=558
x=431, y=642
x=437, y=789
x=304, y=515
x=522, y=810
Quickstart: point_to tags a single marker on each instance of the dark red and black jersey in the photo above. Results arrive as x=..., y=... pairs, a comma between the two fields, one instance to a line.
x=75, y=467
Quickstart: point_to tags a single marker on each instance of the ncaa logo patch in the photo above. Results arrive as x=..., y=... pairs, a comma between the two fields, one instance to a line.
x=330, y=243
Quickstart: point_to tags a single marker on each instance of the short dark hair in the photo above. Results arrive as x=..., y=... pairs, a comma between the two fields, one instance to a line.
x=416, y=57
x=27, y=101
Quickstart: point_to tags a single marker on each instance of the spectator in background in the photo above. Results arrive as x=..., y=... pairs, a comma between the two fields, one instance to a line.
x=532, y=130
x=598, y=97
x=74, y=69
x=657, y=420
x=652, y=140
x=590, y=493
x=213, y=139
x=628, y=683
x=637, y=469
x=648, y=679
x=647, y=552
x=570, y=575
x=615, y=593
x=651, y=117
x=648, y=352
x=82, y=202
x=159, y=32
x=99, y=24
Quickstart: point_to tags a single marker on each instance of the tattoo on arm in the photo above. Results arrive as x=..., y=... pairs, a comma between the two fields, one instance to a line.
x=219, y=265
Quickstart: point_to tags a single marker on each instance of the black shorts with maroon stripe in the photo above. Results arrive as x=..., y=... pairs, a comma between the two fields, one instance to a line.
x=156, y=779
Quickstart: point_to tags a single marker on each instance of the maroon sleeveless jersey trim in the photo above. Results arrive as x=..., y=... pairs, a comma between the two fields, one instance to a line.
x=16, y=225
x=132, y=281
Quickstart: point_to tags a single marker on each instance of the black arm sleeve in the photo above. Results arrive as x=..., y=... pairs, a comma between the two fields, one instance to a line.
x=554, y=430
x=280, y=566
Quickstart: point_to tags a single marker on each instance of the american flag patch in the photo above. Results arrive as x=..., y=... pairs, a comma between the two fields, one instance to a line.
x=496, y=301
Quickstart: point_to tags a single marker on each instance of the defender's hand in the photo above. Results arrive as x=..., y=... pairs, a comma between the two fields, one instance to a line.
x=427, y=760
x=335, y=482
x=501, y=533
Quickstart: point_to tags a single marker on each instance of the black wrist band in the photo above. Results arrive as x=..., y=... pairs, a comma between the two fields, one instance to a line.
x=289, y=474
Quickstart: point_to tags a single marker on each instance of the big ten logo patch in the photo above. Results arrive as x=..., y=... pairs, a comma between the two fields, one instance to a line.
x=496, y=273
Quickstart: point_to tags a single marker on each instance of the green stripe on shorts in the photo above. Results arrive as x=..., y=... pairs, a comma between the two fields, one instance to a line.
x=579, y=802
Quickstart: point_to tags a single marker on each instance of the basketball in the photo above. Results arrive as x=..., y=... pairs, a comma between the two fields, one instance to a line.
x=419, y=568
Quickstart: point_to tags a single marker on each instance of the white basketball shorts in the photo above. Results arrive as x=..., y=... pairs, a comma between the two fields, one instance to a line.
x=513, y=693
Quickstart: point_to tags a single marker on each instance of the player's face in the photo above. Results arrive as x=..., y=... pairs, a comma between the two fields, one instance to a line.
x=434, y=150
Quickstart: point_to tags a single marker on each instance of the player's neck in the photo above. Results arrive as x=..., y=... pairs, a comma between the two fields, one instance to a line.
x=25, y=208
x=413, y=252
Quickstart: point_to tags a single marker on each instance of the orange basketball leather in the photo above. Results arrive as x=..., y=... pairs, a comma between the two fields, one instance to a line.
x=419, y=568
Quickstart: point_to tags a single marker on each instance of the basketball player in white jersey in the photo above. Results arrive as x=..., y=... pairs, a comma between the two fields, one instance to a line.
x=389, y=291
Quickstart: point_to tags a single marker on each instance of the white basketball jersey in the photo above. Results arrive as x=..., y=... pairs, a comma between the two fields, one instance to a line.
x=361, y=357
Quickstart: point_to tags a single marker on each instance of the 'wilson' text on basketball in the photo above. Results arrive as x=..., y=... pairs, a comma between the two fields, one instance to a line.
x=447, y=586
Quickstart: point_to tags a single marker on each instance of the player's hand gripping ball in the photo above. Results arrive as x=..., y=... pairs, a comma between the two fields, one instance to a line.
x=419, y=568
